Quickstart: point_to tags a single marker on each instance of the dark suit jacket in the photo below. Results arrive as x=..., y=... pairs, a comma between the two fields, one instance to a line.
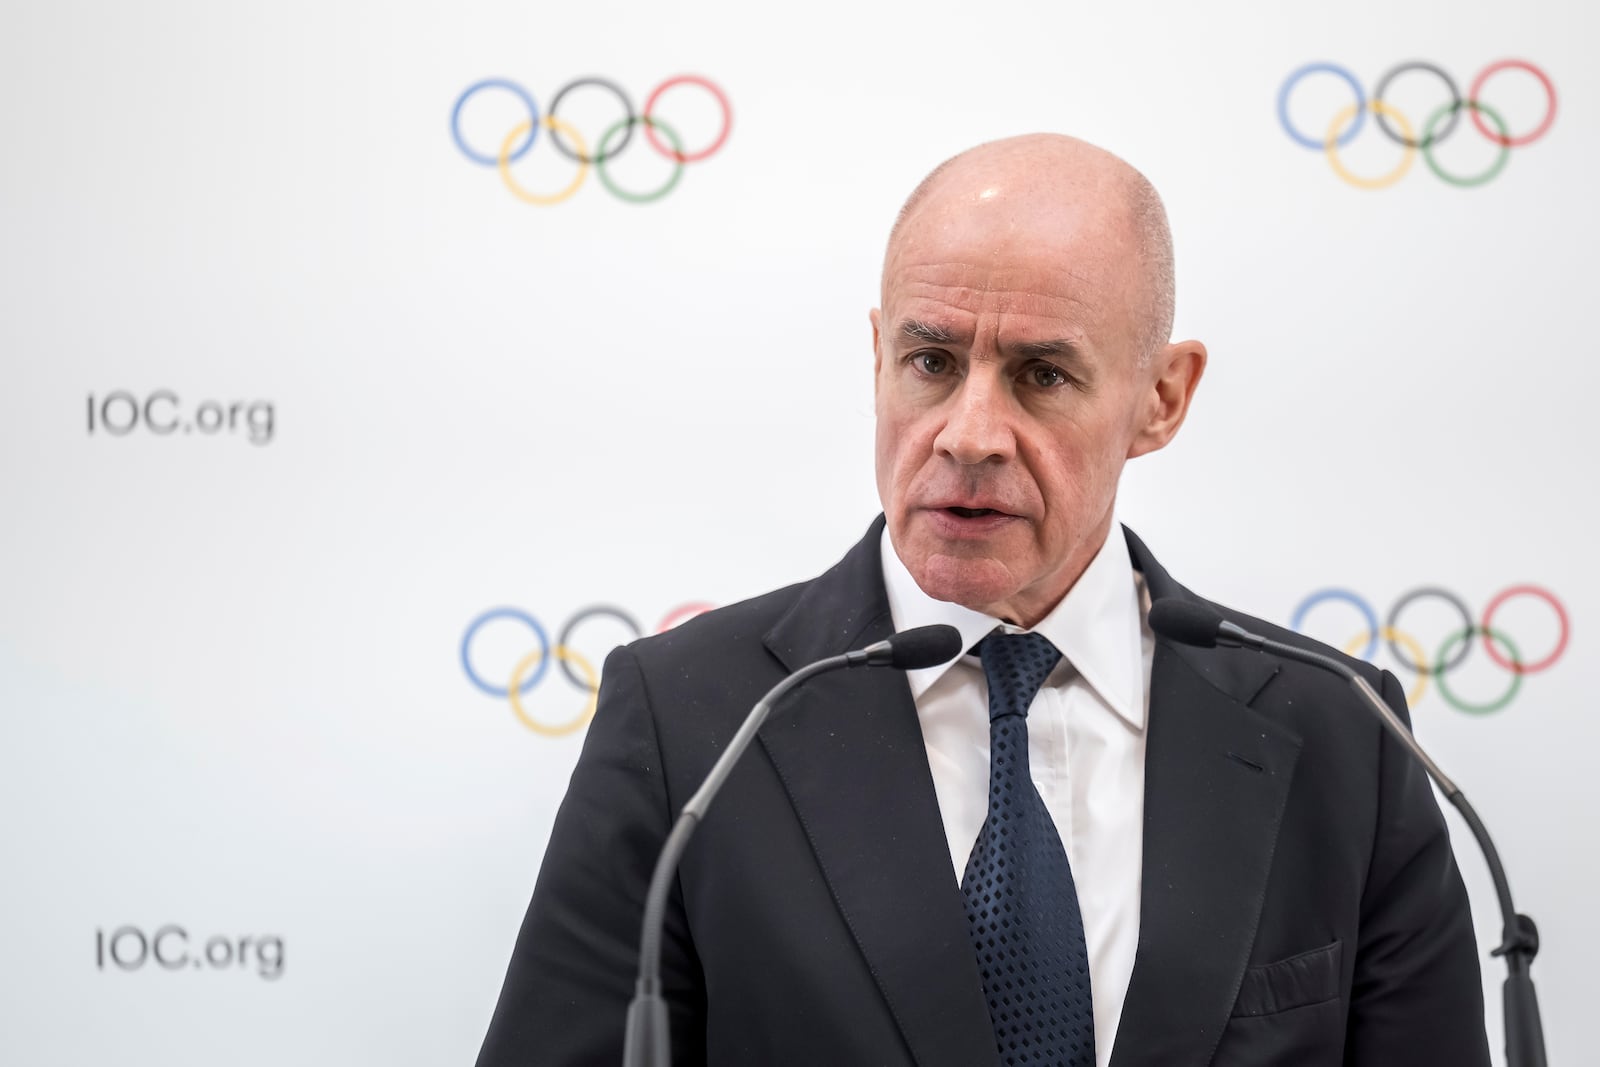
x=1300, y=902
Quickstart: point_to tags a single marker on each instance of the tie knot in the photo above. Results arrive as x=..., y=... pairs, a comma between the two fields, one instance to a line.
x=1016, y=666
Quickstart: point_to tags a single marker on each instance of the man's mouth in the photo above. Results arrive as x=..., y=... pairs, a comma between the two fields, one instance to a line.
x=972, y=513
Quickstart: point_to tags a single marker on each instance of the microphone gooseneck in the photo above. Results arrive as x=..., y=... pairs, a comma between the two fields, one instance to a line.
x=1204, y=626
x=647, y=1042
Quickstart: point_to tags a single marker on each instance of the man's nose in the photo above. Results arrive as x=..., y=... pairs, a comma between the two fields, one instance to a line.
x=977, y=425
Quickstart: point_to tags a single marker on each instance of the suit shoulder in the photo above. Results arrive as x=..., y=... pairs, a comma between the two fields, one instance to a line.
x=729, y=630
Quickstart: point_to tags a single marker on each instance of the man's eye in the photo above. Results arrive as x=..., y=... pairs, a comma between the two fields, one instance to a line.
x=931, y=362
x=1047, y=376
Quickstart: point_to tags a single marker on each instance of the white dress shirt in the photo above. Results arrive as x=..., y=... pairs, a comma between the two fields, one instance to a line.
x=1086, y=743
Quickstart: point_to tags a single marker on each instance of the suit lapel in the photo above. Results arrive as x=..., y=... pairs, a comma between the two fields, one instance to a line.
x=850, y=753
x=1217, y=775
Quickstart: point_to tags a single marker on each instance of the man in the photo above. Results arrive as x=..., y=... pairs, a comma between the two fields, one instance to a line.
x=1078, y=844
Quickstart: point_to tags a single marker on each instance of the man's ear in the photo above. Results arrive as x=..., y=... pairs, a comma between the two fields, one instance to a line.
x=876, y=317
x=1172, y=378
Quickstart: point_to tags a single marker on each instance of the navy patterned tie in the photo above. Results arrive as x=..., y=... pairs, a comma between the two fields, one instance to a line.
x=1022, y=905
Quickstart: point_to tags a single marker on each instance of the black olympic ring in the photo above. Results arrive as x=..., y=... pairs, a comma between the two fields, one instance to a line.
x=1392, y=623
x=1455, y=104
x=588, y=613
x=600, y=156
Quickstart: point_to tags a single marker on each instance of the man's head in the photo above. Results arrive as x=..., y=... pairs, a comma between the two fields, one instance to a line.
x=1022, y=357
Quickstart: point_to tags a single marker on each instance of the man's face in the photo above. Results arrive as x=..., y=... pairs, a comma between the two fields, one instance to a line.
x=1009, y=393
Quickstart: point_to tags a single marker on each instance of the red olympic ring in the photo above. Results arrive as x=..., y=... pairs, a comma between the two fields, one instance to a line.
x=722, y=102
x=684, y=613
x=1512, y=142
x=1548, y=598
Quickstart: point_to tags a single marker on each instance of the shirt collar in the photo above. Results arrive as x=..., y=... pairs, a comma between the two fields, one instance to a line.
x=1097, y=626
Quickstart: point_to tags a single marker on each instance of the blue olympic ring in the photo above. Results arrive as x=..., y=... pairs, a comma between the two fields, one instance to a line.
x=1319, y=144
x=1348, y=597
x=533, y=128
x=538, y=631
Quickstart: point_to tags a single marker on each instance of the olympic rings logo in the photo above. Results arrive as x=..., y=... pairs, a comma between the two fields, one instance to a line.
x=1457, y=645
x=576, y=668
x=564, y=137
x=1348, y=122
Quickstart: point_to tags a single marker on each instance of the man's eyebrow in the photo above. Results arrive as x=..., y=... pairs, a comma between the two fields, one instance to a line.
x=917, y=330
x=1063, y=349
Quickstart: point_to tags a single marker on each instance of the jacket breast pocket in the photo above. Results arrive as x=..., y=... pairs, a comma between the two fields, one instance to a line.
x=1309, y=978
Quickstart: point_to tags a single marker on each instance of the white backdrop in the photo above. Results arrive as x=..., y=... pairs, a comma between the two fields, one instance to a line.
x=231, y=698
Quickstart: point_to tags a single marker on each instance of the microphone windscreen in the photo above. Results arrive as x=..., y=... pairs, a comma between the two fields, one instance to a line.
x=924, y=646
x=1186, y=622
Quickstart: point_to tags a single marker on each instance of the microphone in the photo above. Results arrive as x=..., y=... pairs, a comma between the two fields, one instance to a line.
x=1186, y=622
x=910, y=650
x=1203, y=626
x=647, y=1042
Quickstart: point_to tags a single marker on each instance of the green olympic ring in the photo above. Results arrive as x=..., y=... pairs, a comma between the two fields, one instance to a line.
x=1494, y=168
x=1456, y=702
x=628, y=124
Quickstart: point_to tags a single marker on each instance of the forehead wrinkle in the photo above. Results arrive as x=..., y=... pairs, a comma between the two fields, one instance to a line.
x=953, y=306
x=920, y=280
x=1055, y=343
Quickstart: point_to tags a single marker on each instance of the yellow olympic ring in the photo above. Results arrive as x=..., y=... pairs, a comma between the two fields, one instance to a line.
x=1331, y=147
x=1389, y=633
x=566, y=654
x=549, y=122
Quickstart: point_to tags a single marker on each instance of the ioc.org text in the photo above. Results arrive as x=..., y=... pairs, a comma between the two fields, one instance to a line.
x=171, y=948
x=164, y=413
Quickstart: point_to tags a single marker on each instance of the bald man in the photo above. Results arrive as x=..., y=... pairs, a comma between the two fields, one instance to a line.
x=1077, y=844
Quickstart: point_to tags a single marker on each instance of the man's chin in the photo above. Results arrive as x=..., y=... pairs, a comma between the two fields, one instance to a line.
x=975, y=583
